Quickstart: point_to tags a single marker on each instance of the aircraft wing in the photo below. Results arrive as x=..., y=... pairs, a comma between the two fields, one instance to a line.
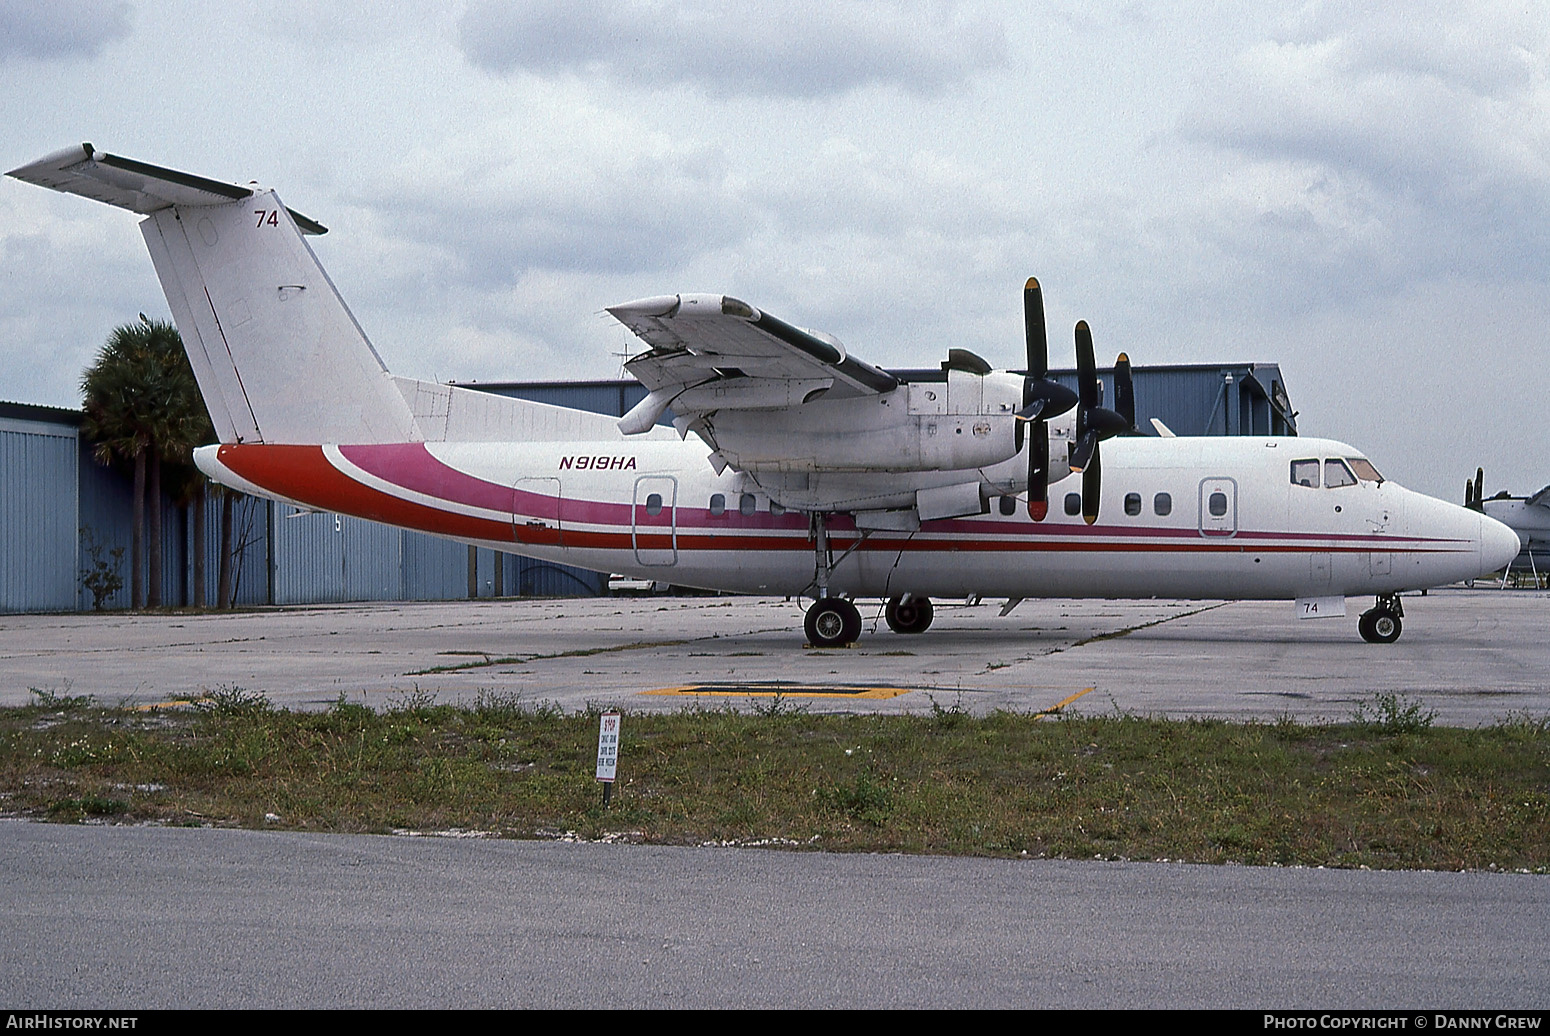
x=1541, y=498
x=714, y=352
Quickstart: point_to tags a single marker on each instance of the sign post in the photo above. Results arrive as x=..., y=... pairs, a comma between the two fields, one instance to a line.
x=608, y=753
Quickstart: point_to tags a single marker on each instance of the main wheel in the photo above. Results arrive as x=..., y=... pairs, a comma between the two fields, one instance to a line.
x=832, y=622
x=913, y=616
x=1379, y=626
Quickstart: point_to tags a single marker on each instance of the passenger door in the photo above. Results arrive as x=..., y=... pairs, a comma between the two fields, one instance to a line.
x=654, y=520
x=1218, y=507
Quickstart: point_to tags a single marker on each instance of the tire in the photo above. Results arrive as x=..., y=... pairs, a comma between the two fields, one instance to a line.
x=832, y=622
x=914, y=617
x=1380, y=626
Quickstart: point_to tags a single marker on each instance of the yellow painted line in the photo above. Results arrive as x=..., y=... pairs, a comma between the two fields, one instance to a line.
x=1062, y=703
x=176, y=703
x=764, y=690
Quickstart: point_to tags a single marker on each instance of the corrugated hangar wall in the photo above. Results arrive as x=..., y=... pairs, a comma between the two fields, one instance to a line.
x=38, y=508
x=60, y=511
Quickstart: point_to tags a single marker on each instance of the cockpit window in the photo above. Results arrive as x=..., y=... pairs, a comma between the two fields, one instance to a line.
x=1364, y=469
x=1305, y=473
x=1336, y=474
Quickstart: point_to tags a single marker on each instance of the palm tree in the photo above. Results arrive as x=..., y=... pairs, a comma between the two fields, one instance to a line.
x=143, y=407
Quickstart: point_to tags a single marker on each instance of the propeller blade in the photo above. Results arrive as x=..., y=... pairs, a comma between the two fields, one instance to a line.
x=1480, y=489
x=1086, y=370
x=1041, y=396
x=1092, y=488
x=1093, y=422
x=1038, y=472
x=1034, y=330
x=1124, y=392
x=1083, y=450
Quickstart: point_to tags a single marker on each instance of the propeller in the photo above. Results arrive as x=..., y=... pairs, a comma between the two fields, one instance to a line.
x=1042, y=399
x=1093, y=422
x=1125, y=394
x=1474, y=492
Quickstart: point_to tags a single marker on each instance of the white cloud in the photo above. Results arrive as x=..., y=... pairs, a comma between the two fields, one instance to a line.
x=739, y=47
x=60, y=28
x=1413, y=143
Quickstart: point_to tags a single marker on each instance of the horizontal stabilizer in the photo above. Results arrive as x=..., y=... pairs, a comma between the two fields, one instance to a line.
x=136, y=186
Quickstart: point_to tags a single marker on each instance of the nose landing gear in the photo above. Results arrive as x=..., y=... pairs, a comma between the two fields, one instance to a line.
x=1381, y=624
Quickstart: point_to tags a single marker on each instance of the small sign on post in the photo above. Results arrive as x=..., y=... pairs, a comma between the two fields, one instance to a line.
x=608, y=753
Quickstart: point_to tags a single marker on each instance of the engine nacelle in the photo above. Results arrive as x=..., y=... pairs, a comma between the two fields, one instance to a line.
x=964, y=421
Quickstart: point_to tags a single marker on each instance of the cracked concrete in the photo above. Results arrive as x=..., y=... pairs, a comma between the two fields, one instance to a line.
x=1473, y=656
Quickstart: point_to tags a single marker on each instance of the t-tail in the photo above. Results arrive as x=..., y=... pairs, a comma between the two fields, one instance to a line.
x=278, y=356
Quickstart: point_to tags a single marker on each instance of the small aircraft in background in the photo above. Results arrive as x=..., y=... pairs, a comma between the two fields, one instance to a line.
x=809, y=472
x=1528, y=516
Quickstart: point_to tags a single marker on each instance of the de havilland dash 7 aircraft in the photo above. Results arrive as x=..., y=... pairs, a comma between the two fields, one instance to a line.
x=809, y=472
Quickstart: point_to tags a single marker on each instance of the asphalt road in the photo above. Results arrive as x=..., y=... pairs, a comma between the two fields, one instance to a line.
x=120, y=918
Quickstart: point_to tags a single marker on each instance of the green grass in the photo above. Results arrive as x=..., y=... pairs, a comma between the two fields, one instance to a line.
x=1386, y=790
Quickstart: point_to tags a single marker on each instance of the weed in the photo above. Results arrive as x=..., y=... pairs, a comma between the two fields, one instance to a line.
x=1393, y=713
x=863, y=799
x=55, y=701
x=87, y=806
x=416, y=704
x=102, y=577
x=949, y=717
x=1524, y=723
x=776, y=706
x=351, y=714
x=233, y=701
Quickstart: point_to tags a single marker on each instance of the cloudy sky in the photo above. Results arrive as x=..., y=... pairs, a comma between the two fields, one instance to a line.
x=1359, y=192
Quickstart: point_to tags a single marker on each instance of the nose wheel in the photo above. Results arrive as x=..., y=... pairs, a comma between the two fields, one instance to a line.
x=832, y=622
x=1382, y=624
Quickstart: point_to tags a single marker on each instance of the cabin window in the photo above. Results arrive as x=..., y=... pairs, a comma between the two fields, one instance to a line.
x=1162, y=504
x=1336, y=474
x=1364, y=469
x=1008, y=505
x=654, y=503
x=747, y=506
x=776, y=509
x=1073, y=503
x=1216, y=503
x=1132, y=504
x=718, y=504
x=1305, y=473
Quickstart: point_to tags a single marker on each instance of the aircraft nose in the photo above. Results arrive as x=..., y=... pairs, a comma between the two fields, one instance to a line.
x=1498, y=545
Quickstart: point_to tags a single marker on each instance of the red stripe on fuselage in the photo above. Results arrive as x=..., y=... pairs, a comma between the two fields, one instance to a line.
x=303, y=473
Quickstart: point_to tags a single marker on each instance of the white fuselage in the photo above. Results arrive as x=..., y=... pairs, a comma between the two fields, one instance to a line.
x=1180, y=517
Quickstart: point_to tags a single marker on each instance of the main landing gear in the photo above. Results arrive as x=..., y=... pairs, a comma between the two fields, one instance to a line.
x=1381, y=624
x=832, y=622
x=909, y=614
x=835, y=622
